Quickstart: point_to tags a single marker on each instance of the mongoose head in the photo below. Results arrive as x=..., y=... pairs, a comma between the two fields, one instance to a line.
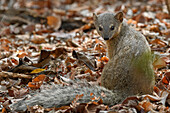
x=108, y=25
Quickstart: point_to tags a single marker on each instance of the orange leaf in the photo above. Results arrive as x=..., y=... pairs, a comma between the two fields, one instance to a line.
x=14, y=61
x=54, y=22
x=164, y=80
x=97, y=41
x=105, y=59
x=37, y=82
x=63, y=108
x=88, y=71
x=147, y=106
x=158, y=41
x=91, y=94
x=100, y=101
x=157, y=90
x=21, y=55
x=93, y=98
x=32, y=85
x=4, y=110
x=96, y=103
x=86, y=27
x=39, y=78
x=130, y=21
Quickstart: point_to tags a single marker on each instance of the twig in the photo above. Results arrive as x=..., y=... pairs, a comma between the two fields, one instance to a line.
x=14, y=75
x=168, y=5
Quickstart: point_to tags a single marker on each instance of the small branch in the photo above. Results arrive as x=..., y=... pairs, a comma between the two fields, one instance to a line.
x=14, y=75
x=168, y=5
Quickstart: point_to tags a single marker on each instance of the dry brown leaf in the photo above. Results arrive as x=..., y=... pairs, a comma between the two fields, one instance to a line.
x=71, y=43
x=129, y=99
x=39, y=4
x=54, y=21
x=130, y=21
x=158, y=41
x=140, y=18
x=83, y=58
x=14, y=61
x=148, y=106
x=154, y=28
x=4, y=110
x=63, y=108
x=91, y=107
x=157, y=90
x=58, y=51
x=162, y=16
x=164, y=97
x=37, y=82
x=99, y=47
x=21, y=54
x=86, y=27
x=59, y=12
x=38, y=39
x=159, y=63
x=105, y=59
x=151, y=98
x=20, y=93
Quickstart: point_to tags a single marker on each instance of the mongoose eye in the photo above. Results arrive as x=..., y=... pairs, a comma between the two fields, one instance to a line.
x=100, y=28
x=112, y=28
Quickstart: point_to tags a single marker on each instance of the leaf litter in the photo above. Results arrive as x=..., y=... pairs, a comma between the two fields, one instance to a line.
x=56, y=43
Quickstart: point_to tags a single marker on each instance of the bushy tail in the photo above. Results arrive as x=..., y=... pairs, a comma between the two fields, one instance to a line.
x=64, y=95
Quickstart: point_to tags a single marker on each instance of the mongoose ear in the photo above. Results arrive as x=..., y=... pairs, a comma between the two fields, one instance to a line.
x=94, y=16
x=119, y=16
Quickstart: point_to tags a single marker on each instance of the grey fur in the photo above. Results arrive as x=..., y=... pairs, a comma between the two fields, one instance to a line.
x=64, y=95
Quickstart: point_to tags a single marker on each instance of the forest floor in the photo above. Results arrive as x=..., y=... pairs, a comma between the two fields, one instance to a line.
x=45, y=42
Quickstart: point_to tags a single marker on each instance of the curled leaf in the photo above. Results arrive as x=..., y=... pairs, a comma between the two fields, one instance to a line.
x=83, y=58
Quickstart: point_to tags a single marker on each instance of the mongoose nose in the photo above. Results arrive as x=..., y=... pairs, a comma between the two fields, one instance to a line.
x=106, y=38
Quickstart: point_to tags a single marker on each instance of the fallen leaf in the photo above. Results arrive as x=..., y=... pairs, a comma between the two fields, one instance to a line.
x=4, y=110
x=20, y=93
x=58, y=51
x=128, y=99
x=130, y=21
x=147, y=106
x=14, y=61
x=71, y=43
x=158, y=41
x=37, y=70
x=165, y=81
x=22, y=55
x=140, y=18
x=159, y=63
x=83, y=58
x=37, y=82
x=86, y=27
x=105, y=59
x=38, y=39
x=164, y=97
x=39, y=78
x=162, y=16
x=151, y=98
x=54, y=21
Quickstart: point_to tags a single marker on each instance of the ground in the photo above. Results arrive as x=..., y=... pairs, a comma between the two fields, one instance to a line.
x=45, y=42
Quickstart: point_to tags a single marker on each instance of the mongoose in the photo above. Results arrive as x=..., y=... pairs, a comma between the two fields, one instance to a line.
x=128, y=72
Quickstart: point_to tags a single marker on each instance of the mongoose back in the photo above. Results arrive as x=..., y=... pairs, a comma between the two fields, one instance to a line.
x=129, y=70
